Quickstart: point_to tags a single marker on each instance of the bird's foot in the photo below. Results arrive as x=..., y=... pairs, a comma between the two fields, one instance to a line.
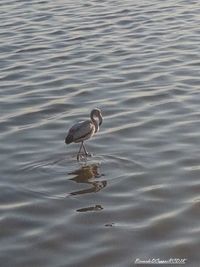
x=81, y=156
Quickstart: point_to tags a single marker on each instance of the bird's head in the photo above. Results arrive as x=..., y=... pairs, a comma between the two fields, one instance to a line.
x=96, y=112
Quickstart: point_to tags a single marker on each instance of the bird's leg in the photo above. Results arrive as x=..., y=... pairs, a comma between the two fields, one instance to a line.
x=79, y=152
x=86, y=153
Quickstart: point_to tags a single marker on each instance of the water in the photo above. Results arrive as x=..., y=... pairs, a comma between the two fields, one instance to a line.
x=138, y=196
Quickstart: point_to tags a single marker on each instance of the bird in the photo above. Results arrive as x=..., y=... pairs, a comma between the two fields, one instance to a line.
x=84, y=130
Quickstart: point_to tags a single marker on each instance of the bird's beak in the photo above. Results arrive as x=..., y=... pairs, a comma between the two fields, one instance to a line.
x=100, y=119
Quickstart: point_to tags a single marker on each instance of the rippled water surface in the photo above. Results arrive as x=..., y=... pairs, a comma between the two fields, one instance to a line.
x=138, y=197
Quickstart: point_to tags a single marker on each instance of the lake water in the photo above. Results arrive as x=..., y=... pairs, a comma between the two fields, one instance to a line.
x=138, y=197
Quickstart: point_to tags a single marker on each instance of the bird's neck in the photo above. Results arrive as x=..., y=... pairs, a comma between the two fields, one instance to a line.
x=96, y=124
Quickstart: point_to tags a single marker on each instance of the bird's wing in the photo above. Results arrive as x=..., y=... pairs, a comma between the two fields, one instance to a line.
x=81, y=129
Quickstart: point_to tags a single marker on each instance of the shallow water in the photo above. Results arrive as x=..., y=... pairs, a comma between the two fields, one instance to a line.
x=138, y=197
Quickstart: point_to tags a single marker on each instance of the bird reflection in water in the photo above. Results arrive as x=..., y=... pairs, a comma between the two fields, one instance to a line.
x=92, y=208
x=87, y=174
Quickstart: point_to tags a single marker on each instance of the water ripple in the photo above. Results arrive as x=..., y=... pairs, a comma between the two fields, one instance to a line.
x=139, y=62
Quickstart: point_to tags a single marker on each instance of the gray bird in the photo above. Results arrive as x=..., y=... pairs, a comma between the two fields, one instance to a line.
x=83, y=130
